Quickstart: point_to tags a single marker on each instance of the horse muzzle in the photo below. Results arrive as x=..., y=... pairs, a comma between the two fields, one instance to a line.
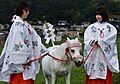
x=78, y=63
x=78, y=59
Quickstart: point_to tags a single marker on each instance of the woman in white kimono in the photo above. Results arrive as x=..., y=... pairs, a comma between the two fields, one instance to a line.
x=100, y=51
x=23, y=44
x=48, y=32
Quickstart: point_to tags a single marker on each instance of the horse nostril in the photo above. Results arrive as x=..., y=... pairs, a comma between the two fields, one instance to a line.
x=78, y=64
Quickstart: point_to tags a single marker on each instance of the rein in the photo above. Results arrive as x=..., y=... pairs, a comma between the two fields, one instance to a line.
x=89, y=53
x=60, y=60
x=66, y=53
x=39, y=58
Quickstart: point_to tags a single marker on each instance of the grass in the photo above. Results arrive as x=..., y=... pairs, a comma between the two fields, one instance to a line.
x=77, y=75
x=116, y=79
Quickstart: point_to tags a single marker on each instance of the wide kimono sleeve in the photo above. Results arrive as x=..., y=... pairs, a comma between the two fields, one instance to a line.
x=90, y=35
x=38, y=47
x=17, y=52
x=89, y=40
x=108, y=46
x=19, y=47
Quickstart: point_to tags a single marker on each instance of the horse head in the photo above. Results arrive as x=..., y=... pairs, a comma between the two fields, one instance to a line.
x=73, y=51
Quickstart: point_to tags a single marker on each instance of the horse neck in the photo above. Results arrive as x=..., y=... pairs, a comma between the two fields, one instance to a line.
x=61, y=51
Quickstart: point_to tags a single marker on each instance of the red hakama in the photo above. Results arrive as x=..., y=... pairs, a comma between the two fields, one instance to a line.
x=18, y=79
x=108, y=79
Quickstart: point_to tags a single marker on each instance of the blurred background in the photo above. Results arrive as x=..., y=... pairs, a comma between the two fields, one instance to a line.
x=67, y=16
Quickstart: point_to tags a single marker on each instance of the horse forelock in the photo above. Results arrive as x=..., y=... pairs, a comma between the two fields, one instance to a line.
x=73, y=43
x=77, y=44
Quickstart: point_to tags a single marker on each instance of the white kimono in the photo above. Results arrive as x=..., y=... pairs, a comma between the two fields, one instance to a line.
x=46, y=34
x=23, y=44
x=103, y=56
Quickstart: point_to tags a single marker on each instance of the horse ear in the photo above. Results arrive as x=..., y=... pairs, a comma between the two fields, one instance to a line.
x=68, y=39
x=76, y=39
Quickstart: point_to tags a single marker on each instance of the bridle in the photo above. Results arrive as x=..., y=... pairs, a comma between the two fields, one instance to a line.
x=67, y=53
x=68, y=50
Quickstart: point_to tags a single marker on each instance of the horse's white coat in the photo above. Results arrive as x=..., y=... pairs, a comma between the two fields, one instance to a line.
x=53, y=68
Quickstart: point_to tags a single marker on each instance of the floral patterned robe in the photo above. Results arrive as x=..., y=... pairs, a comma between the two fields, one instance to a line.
x=23, y=44
x=102, y=56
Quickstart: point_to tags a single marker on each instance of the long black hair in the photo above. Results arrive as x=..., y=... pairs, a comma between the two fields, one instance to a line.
x=20, y=7
x=103, y=12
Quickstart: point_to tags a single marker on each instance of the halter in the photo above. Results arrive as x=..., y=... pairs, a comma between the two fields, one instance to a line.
x=67, y=53
x=68, y=49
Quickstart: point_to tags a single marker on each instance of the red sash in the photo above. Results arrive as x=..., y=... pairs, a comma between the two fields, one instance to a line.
x=18, y=79
x=108, y=79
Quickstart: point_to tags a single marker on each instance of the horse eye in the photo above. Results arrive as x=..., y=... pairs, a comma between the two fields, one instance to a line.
x=72, y=51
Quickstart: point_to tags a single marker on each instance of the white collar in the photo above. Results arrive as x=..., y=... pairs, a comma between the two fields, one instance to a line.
x=17, y=18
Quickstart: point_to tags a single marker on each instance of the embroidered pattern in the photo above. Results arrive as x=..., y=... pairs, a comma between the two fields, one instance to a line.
x=27, y=43
x=17, y=47
x=42, y=50
x=107, y=50
x=14, y=71
x=35, y=43
x=115, y=54
x=93, y=29
x=85, y=53
x=92, y=66
x=28, y=66
x=109, y=28
x=7, y=61
x=101, y=66
x=1, y=67
x=18, y=24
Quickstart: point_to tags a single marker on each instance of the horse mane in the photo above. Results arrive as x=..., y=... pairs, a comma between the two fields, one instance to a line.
x=60, y=51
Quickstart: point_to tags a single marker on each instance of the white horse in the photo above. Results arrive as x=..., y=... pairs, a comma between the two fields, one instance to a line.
x=60, y=61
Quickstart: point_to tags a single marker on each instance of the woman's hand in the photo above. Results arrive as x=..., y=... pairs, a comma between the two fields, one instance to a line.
x=97, y=44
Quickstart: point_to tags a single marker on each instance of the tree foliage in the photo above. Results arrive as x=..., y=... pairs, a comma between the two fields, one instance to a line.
x=53, y=10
